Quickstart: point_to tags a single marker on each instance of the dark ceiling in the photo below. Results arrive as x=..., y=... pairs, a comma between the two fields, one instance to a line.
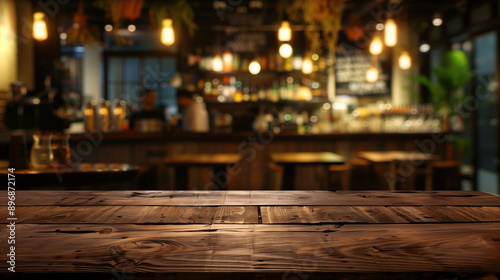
x=206, y=16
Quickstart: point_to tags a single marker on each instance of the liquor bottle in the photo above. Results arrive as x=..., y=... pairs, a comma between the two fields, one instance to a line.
x=261, y=92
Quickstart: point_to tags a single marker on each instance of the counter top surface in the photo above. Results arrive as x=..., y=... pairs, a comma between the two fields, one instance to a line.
x=255, y=231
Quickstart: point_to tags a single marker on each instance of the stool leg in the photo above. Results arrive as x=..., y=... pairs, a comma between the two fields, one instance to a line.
x=220, y=177
x=392, y=176
x=181, y=178
x=288, y=177
x=428, y=178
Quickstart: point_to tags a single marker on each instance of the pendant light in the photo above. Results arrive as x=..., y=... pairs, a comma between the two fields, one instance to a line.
x=404, y=60
x=39, y=26
x=391, y=33
x=372, y=74
x=167, y=32
x=437, y=20
x=376, y=46
x=284, y=32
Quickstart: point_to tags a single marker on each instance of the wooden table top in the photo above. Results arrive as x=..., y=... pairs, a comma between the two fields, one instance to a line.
x=254, y=231
x=388, y=156
x=307, y=158
x=203, y=159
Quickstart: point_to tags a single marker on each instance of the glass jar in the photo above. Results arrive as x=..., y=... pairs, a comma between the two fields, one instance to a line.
x=41, y=151
x=60, y=150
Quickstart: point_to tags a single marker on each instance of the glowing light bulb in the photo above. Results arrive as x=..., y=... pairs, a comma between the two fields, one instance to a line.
x=284, y=32
x=108, y=27
x=404, y=61
x=132, y=28
x=376, y=46
x=285, y=50
x=254, y=67
x=217, y=64
x=391, y=33
x=39, y=26
x=424, y=47
x=167, y=32
x=372, y=74
x=307, y=65
x=437, y=20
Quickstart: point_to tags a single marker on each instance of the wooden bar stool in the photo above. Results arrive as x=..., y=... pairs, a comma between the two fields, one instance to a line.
x=446, y=172
x=341, y=171
x=275, y=175
x=406, y=171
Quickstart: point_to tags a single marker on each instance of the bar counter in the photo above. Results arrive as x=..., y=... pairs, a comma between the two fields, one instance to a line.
x=255, y=148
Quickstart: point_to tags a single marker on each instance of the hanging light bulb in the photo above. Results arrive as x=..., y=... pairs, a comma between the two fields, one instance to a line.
x=285, y=50
x=376, y=46
x=39, y=26
x=284, y=32
x=437, y=20
x=217, y=64
x=372, y=74
x=167, y=32
x=391, y=33
x=307, y=65
x=254, y=67
x=404, y=60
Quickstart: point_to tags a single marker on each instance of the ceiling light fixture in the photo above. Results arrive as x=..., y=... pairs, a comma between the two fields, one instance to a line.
x=167, y=32
x=391, y=33
x=285, y=32
x=39, y=26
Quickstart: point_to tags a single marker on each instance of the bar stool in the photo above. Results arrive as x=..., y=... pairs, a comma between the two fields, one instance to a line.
x=414, y=170
x=343, y=172
x=276, y=175
x=446, y=172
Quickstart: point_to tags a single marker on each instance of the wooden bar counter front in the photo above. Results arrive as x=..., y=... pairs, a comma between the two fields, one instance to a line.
x=253, y=234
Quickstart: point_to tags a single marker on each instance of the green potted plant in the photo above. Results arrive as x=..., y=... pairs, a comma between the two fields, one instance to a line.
x=447, y=92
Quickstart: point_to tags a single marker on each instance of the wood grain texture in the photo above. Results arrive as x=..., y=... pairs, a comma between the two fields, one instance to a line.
x=81, y=248
x=132, y=214
x=377, y=214
x=255, y=198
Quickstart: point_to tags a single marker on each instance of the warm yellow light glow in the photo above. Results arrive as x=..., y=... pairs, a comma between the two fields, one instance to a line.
x=103, y=111
x=307, y=65
x=376, y=46
x=372, y=74
x=284, y=32
x=217, y=64
x=254, y=67
x=108, y=27
x=285, y=50
x=404, y=61
x=391, y=33
x=118, y=111
x=39, y=26
x=227, y=59
x=167, y=32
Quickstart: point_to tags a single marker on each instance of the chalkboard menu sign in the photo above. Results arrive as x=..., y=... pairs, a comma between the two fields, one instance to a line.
x=350, y=72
